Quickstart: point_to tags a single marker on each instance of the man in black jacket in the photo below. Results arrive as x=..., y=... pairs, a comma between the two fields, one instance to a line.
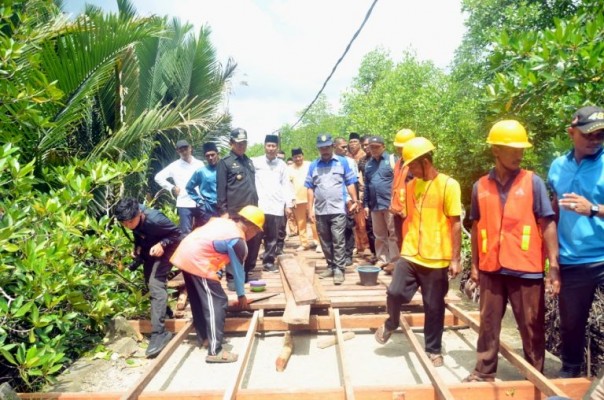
x=236, y=188
x=155, y=239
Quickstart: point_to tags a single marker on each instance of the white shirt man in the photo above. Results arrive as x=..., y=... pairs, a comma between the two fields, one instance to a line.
x=181, y=171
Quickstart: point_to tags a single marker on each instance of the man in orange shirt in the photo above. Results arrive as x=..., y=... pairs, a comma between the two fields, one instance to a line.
x=399, y=183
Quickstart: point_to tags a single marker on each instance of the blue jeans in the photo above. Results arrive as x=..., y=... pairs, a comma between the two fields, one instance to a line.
x=579, y=283
x=190, y=218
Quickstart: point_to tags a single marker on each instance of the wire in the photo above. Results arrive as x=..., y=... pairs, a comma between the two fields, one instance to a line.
x=333, y=70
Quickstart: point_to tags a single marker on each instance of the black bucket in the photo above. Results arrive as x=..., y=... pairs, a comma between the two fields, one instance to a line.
x=368, y=274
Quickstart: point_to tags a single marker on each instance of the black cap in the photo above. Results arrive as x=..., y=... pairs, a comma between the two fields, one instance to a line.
x=182, y=143
x=239, y=135
x=588, y=119
x=354, y=135
x=296, y=151
x=209, y=146
x=376, y=139
x=271, y=139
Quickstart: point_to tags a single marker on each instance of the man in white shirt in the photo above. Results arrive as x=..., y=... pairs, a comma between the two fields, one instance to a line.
x=181, y=171
x=274, y=197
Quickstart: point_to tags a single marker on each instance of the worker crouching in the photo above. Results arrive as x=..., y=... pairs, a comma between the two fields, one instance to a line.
x=202, y=256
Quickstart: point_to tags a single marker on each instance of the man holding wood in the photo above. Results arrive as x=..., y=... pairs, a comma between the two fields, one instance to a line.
x=431, y=249
x=202, y=256
x=329, y=178
x=512, y=220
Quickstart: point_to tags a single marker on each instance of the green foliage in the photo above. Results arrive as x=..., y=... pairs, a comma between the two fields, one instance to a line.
x=543, y=76
x=59, y=274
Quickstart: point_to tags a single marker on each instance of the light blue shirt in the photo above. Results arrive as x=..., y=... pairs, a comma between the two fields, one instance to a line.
x=202, y=188
x=329, y=180
x=581, y=238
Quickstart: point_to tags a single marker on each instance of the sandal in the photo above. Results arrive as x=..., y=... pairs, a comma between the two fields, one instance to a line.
x=382, y=334
x=222, y=357
x=437, y=359
x=474, y=377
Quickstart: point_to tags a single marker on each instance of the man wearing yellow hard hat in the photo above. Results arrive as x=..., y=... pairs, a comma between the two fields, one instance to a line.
x=431, y=249
x=202, y=256
x=512, y=220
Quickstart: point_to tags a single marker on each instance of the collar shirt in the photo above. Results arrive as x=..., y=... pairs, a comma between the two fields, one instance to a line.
x=378, y=183
x=297, y=175
x=180, y=171
x=273, y=185
x=235, y=184
x=328, y=180
x=580, y=237
x=202, y=188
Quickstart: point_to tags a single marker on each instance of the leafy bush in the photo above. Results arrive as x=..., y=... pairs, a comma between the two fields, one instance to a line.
x=59, y=269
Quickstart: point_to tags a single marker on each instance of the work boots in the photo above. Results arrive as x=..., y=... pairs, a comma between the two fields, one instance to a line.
x=157, y=343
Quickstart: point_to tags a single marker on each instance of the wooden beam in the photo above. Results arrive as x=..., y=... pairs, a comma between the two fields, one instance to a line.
x=155, y=366
x=366, y=321
x=232, y=388
x=442, y=389
x=526, y=369
x=575, y=387
x=298, y=282
x=348, y=390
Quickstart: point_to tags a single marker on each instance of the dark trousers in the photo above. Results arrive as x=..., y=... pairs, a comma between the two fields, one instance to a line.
x=579, y=283
x=331, y=229
x=253, y=247
x=272, y=226
x=398, y=228
x=349, y=236
x=190, y=218
x=527, y=299
x=406, y=278
x=208, y=306
x=370, y=235
x=282, y=236
x=156, y=277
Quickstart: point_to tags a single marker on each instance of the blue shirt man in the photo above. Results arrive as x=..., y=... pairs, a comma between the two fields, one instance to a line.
x=329, y=178
x=202, y=185
x=577, y=180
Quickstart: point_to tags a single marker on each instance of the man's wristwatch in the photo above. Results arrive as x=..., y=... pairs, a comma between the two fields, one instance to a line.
x=594, y=210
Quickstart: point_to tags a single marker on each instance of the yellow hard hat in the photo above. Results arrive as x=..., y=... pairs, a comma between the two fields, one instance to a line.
x=254, y=215
x=402, y=137
x=509, y=133
x=415, y=148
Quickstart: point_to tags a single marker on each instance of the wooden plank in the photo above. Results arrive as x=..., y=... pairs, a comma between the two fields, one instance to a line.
x=359, y=321
x=348, y=390
x=232, y=388
x=156, y=365
x=526, y=369
x=293, y=313
x=322, y=297
x=298, y=282
x=440, y=386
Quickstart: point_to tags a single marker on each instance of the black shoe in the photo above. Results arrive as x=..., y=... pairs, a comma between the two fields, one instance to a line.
x=270, y=268
x=569, y=372
x=338, y=277
x=348, y=262
x=328, y=273
x=157, y=343
x=169, y=313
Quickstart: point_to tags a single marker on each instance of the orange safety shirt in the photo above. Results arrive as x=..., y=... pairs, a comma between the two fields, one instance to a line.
x=398, y=186
x=196, y=254
x=509, y=235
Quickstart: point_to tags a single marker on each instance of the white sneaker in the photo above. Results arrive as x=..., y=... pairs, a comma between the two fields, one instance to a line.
x=319, y=249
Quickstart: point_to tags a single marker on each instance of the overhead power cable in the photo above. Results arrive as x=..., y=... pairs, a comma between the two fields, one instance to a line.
x=335, y=67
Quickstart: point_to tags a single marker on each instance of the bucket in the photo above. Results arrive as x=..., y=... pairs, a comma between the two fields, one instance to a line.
x=368, y=275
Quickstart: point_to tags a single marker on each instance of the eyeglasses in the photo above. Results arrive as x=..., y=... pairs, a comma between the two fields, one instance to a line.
x=597, y=135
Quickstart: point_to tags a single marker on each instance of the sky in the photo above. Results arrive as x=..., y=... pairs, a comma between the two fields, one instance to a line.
x=285, y=49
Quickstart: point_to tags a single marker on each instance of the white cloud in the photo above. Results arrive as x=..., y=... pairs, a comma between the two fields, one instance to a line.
x=286, y=48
